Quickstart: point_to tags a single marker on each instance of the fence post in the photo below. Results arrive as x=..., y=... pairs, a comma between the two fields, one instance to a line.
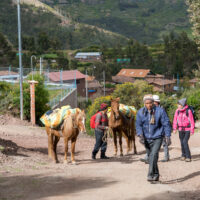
x=32, y=93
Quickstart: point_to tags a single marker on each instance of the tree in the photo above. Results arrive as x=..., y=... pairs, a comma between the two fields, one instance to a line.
x=132, y=93
x=28, y=43
x=139, y=55
x=63, y=62
x=180, y=54
x=41, y=97
x=43, y=42
x=7, y=55
x=194, y=10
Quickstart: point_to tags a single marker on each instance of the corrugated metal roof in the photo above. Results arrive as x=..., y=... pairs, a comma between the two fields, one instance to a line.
x=135, y=73
x=122, y=79
x=88, y=54
x=4, y=73
x=66, y=75
x=161, y=81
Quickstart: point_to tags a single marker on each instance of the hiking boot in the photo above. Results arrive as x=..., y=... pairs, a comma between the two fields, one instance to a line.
x=144, y=160
x=93, y=156
x=156, y=178
x=182, y=158
x=188, y=160
x=165, y=160
x=150, y=178
x=104, y=157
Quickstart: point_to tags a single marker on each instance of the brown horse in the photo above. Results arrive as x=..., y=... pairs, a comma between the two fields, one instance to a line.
x=71, y=127
x=123, y=126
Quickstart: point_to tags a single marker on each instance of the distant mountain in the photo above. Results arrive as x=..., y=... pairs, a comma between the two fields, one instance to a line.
x=144, y=20
x=38, y=17
x=81, y=23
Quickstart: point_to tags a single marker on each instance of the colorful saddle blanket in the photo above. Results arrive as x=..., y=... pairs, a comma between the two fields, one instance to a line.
x=54, y=118
x=128, y=111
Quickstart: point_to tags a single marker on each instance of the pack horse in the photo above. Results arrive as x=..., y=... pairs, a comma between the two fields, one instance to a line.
x=73, y=124
x=123, y=126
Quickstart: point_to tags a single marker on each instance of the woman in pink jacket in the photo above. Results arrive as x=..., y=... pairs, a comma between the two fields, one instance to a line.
x=184, y=122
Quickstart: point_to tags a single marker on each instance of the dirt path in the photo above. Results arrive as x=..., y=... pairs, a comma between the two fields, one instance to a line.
x=27, y=173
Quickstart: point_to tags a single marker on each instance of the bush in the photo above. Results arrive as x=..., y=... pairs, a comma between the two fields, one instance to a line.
x=170, y=103
x=193, y=99
x=41, y=98
x=93, y=109
x=132, y=93
x=110, y=85
x=5, y=88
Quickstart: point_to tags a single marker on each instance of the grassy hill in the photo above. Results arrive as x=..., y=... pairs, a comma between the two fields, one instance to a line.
x=81, y=23
x=37, y=17
x=144, y=20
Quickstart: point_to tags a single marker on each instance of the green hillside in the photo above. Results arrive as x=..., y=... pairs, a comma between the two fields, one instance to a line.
x=144, y=20
x=35, y=20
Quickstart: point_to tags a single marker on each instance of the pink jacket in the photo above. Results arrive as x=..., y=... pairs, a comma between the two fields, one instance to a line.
x=182, y=121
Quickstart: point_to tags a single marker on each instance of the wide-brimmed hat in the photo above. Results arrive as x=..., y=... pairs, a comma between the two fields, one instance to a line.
x=148, y=97
x=156, y=98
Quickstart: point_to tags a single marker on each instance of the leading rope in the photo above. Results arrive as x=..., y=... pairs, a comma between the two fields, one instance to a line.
x=107, y=132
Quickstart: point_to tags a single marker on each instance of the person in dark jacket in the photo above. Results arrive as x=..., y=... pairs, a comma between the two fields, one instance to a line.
x=152, y=124
x=101, y=125
x=156, y=99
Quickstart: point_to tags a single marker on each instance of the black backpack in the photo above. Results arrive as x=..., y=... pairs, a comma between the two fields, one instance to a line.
x=187, y=112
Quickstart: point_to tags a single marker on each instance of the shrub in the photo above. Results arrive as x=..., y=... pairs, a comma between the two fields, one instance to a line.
x=5, y=88
x=132, y=93
x=41, y=98
x=170, y=103
x=193, y=99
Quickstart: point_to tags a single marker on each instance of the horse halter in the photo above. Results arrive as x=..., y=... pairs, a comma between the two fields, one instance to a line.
x=75, y=123
x=116, y=117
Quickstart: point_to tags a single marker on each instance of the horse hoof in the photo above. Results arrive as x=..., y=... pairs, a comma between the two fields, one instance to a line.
x=115, y=155
x=121, y=155
x=66, y=162
x=56, y=161
x=74, y=163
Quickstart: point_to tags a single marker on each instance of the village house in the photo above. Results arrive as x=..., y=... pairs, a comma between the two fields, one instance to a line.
x=8, y=75
x=194, y=82
x=158, y=81
x=122, y=79
x=88, y=56
x=138, y=73
x=93, y=86
x=162, y=85
x=71, y=77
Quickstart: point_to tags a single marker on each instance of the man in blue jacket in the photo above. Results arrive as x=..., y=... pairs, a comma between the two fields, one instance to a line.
x=152, y=124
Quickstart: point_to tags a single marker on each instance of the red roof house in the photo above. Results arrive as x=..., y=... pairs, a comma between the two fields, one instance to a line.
x=69, y=77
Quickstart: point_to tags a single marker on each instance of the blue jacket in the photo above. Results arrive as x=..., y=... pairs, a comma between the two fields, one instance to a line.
x=160, y=128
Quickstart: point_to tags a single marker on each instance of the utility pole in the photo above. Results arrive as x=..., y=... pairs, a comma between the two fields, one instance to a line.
x=104, y=87
x=41, y=65
x=163, y=83
x=86, y=87
x=178, y=81
x=32, y=64
x=76, y=93
x=20, y=59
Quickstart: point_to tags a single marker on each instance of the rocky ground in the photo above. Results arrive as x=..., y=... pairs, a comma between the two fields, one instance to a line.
x=27, y=173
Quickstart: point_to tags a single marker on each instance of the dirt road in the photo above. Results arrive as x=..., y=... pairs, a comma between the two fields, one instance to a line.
x=27, y=173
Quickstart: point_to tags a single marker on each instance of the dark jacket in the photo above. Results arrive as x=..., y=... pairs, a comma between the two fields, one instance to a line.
x=160, y=128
